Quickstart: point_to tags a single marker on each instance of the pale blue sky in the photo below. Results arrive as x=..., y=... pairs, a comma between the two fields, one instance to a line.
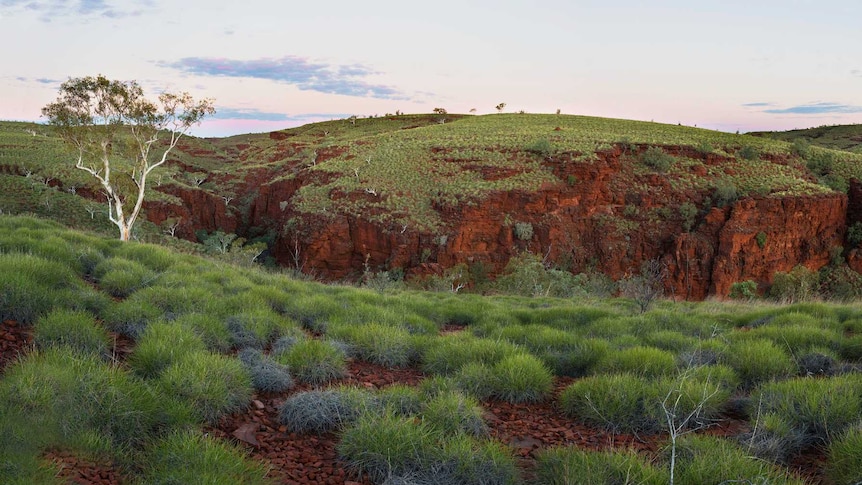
x=723, y=64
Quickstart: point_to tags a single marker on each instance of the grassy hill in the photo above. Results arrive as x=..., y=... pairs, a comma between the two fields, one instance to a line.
x=144, y=361
x=838, y=137
x=584, y=192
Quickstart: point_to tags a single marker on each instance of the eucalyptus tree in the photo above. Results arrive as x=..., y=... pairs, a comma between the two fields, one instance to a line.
x=119, y=136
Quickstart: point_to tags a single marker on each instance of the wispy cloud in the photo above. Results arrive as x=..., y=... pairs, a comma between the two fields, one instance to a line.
x=816, y=109
x=758, y=105
x=49, y=10
x=39, y=80
x=258, y=115
x=856, y=72
x=347, y=80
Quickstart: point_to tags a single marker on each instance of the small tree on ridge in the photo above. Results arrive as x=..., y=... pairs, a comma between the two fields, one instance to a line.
x=116, y=132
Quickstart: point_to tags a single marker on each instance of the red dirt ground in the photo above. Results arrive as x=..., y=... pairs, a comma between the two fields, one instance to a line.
x=311, y=459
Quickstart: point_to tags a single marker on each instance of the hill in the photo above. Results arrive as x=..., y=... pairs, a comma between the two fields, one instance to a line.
x=422, y=194
x=836, y=137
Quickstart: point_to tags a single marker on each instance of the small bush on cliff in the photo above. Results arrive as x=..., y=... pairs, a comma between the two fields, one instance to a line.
x=688, y=212
x=854, y=234
x=743, y=290
x=748, y=152
x=646, y=287
x=724, y=193
x=541, y=147
x=523, y=231
x=656, y=159
x=800, y=284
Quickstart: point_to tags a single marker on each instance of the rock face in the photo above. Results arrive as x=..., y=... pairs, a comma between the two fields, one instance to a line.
x=592, y=221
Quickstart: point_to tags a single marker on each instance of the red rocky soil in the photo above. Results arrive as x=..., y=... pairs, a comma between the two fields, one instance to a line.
x=15, y=340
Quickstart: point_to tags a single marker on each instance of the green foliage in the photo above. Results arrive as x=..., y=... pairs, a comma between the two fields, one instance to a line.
x=121, y=277
x=314, y=361
x=380, y=344
x=400, y=399
x=854, y=234
x=758, y=360
x=621, y=402
x=569, y=465
x=212, y=385
x=75, y=395
x=800, y=284
x=325, y=410
x=266, y=374
x=161, y=345
x=707, y=460
x=75, y=330
x=453, y=413
x=403, y=450
x=523, y=231
x=845, y=458
x=743, y=290
x=760, y=238
x=688, y=212
x=448, y=354
x=748, y=152
x=32, y=286
x=818, y=409
x=642, y=361
x=724, y=193
x=629, y=403
x=656, y=159
x=541, y=147
x=192, y=457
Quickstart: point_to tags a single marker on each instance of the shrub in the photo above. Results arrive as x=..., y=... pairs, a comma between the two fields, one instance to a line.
x=800, y=284
x=211, y=329
x=656, y=159
x=707, y=460
x=748, y=152
x=447, y=354
x=724, y=193
x=213, y=385
x=854, y=234
x=192, y=457
x=455, y=412
x=386, y=445
x=797, y=339
x=266, y=374
x=523, y=231
x=541, y=147
x=644, y=361
x=76, y=330
x=816, y=364
x=31, y=287
x=845, y=458
x=314, y=361
x=130, y=317
x=819, y=409
x=743, y=290
x=381, y=344
x=400, y=399
x=160, y=345
x=688, y=212
x=568, y=465
x=326, y=410
x=521, y=378
x=76, y=396
x=476, y=379
x=620, y=402
x=122, y=277
x=467, y=461
x=758, y=360
x=400, y=450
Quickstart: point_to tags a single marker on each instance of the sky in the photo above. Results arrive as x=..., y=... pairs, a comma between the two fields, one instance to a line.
x=721, y=64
